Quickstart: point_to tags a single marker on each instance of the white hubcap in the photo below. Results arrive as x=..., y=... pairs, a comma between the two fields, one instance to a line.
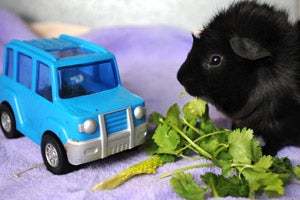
x=6, y=122
x=51, y=155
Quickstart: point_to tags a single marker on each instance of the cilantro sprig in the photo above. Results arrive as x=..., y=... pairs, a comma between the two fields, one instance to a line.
x=246, y=172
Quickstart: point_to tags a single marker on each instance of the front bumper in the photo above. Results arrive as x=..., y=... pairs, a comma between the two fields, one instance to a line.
x=87, y=151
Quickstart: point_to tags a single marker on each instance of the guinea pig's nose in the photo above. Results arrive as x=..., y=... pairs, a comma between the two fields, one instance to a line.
x=180, y=76
x=183, y=78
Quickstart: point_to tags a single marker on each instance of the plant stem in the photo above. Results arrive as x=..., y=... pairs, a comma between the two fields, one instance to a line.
x=186, y=168
x=199, y=149
x=222, y=148
x=189, y=125
x=17, y=175
x=213, y=133
x=188, y=158
x=245, y=166
x=200, y=138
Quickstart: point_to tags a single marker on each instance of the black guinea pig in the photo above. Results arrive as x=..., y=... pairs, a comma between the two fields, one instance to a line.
x=246, y=62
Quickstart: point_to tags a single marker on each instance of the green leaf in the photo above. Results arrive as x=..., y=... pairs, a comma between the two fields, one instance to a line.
x=227, y=170
x=209, y=144
x=264, y=163
x=296, y=170
x=222, y=186
x=256, y=173
x=260, y=179
x=186, y=187
x=273, y=185
x=181, y=94
x=167, y=158
x=206, y=127
x=173, y=116
x=282, y=167
x=195, y=108
x=150, y=147
x=155, y=118
x=256, y=150
x=210, y=180
x=166, y=139
x=147, y=166
x=240, y=145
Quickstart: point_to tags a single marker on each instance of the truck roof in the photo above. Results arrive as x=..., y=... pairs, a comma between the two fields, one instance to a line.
x=61, y=47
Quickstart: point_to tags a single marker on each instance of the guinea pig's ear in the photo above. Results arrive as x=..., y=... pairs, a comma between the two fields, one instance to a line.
x=249, y=49
x=196, y=34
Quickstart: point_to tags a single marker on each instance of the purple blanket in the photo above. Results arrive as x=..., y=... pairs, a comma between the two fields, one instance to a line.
x=148, y=59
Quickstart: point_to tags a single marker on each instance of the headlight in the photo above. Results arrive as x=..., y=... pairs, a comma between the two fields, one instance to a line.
x=139, y=112
x=89, y=126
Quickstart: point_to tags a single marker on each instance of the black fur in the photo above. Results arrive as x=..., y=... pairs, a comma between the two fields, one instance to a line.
x=246, y=62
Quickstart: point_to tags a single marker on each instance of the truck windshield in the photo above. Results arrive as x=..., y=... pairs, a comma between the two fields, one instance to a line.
x=86, y=79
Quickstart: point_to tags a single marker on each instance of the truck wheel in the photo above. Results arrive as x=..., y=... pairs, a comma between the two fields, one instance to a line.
x=54, y=155
x=8, y=123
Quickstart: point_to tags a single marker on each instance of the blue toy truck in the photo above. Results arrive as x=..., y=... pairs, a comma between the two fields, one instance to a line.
x=65, y=95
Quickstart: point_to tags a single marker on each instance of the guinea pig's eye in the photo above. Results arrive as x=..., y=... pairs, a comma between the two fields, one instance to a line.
x=215, y=60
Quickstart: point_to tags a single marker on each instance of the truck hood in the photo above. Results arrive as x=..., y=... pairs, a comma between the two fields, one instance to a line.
x=102, y=102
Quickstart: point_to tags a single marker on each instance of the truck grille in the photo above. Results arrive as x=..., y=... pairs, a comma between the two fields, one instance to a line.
x=116, y=121
x=119, y=148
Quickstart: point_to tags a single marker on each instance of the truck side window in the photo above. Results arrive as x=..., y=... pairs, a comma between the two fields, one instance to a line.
x=25, y=70
x=44, y=81
x=10, y=63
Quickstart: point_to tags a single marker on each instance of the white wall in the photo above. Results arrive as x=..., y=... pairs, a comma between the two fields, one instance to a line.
x=188, y=14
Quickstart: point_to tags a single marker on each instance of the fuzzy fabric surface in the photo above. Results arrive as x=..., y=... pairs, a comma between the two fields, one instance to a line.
x=148, y=59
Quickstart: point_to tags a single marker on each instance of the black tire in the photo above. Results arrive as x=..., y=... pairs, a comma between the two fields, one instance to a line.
x=54, y=155
x=8, y=122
